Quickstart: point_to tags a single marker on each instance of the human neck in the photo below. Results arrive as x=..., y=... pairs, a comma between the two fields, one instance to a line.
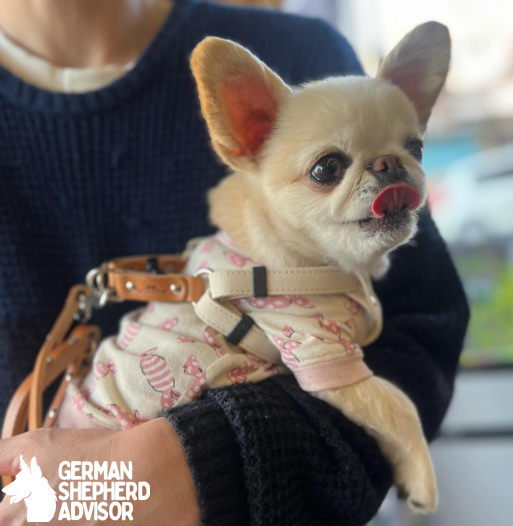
x=83, y=33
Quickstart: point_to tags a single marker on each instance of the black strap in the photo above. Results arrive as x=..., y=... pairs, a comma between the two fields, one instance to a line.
x=240, y=330
x=259, y=282
x=152, y=266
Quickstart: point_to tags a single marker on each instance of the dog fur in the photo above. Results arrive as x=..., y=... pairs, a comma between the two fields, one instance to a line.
x=271, y=135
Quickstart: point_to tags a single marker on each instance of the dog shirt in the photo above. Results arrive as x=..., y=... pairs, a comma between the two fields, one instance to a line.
x=165, y=356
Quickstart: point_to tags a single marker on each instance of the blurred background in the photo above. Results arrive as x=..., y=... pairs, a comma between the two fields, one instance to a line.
x=468, y=159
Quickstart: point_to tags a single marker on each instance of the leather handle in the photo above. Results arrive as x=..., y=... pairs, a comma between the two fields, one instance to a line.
x=58, y=332
x=68, y=357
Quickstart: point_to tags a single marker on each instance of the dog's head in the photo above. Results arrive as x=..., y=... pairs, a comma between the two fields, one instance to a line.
x=338, y=162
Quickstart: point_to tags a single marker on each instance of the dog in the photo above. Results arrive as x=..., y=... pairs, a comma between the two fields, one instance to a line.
x=324, y=175
x=330, y=173
x=33, y=488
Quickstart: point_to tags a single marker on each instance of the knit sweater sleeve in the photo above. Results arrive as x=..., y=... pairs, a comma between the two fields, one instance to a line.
x=270, y=453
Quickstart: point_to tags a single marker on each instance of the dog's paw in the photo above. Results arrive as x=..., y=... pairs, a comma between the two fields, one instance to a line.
x=416, y=483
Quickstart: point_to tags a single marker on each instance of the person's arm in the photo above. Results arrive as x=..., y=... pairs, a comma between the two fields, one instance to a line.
x=152, y=449
x=269, y=453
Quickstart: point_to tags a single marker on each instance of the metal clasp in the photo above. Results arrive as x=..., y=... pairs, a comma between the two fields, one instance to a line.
x=96, y=280
x=85, y=305
x=201, y=272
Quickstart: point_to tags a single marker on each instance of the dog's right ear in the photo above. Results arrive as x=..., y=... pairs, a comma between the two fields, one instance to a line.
x=240, y=98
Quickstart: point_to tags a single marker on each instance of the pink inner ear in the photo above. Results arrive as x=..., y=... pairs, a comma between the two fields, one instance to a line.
x=409, y=83
x=250, y=110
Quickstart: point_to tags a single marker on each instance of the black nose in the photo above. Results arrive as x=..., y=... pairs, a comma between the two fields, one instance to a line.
x=389, y=167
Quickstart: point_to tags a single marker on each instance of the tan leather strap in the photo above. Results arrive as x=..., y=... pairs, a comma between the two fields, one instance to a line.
x=224, y=317
x=60, y=353
x=232, y=284
x=129, y=279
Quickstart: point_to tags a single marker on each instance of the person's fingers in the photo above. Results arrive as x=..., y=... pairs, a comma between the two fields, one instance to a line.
x=10, y=451
x=12, y=514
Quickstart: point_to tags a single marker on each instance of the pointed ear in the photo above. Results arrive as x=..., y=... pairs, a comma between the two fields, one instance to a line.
x=23, y=464
x=35, y=470
x=419, y=65
x=240, y=98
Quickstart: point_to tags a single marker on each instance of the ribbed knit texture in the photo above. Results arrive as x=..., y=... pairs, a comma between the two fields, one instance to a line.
x=124, y=170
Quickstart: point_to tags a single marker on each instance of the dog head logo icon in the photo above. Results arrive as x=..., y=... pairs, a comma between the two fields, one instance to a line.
x=33, y=488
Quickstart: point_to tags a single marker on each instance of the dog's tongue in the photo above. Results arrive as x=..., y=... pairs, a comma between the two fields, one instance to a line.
x=395, y=197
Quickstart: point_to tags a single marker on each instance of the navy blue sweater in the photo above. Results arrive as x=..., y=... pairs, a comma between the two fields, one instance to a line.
x=124, y=170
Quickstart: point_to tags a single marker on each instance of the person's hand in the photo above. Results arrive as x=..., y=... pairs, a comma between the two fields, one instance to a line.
x=153, y=448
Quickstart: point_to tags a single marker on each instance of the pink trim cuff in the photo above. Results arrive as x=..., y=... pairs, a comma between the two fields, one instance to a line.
x=333, y=373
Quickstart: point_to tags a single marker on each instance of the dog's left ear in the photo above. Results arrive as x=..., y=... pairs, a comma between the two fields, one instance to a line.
x=419, y=65
x=240, y=98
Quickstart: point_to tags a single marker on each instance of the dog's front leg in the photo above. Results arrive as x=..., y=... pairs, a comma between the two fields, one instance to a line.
x=389, y=416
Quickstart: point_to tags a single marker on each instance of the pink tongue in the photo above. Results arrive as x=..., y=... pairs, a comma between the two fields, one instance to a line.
x=395, y=197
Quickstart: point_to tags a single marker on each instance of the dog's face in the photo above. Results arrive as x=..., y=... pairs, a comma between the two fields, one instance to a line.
x=338, y=162
x=337, y=145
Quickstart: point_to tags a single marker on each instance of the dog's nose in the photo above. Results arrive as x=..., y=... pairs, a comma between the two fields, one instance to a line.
x=388, y=169
x=387, y=164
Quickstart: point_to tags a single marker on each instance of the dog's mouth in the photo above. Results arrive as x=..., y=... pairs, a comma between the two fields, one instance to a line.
x=391, y=209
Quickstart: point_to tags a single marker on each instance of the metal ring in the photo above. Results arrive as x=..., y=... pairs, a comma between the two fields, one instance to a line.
x=95, y=280
x=201, y=272
x=104, y=298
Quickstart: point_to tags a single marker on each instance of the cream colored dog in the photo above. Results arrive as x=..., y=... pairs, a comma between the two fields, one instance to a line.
x=330, y=173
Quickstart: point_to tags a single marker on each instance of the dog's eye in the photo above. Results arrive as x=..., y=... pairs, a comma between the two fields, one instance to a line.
x=329, y=170
x=415, y=147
